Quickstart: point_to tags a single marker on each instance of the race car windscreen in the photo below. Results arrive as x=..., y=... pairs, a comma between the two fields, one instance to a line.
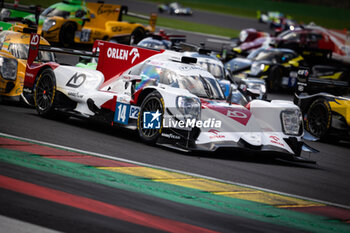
x=204, y=87
x=216, y=70
x=154, y=44
x=275, y=56
x=20, y=51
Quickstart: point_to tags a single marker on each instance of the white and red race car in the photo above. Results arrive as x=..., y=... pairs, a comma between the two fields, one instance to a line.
x=165, y=97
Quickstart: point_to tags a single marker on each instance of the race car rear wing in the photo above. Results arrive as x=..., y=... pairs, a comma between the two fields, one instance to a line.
x=309, y=81
x=116, y=58
x=32, y=9
x=113, y=58
x=35, y=47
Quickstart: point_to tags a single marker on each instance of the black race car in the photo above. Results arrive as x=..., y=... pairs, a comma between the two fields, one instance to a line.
x=325, y=102
x=277, y=66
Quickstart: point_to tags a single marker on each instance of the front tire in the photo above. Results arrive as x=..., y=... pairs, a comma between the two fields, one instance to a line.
x=319, y=118
x=136, y=36
x=152, y=103
x=67, y=34
x=274, y=79
x=45, y=93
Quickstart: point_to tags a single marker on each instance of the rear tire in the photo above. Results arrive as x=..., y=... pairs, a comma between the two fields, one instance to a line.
x=45, y=93
x=319, y=118
x=151, y=103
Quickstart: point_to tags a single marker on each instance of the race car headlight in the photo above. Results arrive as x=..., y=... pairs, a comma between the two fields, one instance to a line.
x=48, y=24
x=188, y=106
x=292, y=122
x=257, y=68
x=257, y=86
x=8, y=68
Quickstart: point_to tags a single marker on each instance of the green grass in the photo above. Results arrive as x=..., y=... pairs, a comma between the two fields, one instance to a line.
x=325, y=16
x=330, y=17
x=184, y=25
x=161, y=21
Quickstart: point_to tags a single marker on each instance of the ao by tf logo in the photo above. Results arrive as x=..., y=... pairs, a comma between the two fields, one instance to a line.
x=35, y=39
x=123, y=54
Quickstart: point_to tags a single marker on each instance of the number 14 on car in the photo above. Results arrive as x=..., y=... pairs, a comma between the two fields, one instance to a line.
x=124, y=111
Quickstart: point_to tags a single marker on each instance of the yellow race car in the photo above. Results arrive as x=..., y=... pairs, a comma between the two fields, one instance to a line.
x=325, y=104
x=82, y=22
x=14, y=47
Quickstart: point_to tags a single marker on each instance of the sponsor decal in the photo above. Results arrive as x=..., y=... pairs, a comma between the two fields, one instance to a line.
x=186, y=68
x=123, y=54
x=151, y=120
x=27, y=90
x=76, y=94
x=171, y=136
x=169, y=122
x=236, y=114
x=241, y=115
x=25, y=36
x=35, y=39
x=117, y=29
x=215, y=134
x=106, y=9
x=276, y=140
x=30, y=75
x=303, y=72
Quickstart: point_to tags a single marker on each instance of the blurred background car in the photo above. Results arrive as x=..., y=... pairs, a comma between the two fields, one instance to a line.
x=14, y=48
x=174, y=8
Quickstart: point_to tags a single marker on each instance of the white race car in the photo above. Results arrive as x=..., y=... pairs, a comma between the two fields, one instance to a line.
x=163, y=96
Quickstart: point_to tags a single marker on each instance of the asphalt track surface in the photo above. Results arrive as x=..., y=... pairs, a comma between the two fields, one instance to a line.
x=199, y=16
x=327, y=181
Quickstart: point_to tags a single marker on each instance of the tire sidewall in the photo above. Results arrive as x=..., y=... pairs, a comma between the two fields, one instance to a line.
x=153, y=139
x=48, y=111
x=325, y=104
x=136, y=36
x=274, y=79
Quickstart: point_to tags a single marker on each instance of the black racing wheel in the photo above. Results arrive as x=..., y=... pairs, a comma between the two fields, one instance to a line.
x=45, y=93
x=152, y=103
x=274, y=79
x=319, y=118
x=137, y=35
x=67, y=34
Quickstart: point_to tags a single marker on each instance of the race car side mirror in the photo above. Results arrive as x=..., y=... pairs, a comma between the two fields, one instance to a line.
x=131, y=78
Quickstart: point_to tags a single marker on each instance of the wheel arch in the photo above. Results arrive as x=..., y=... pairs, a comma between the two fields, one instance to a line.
x=306, y=102
x=41, y=70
